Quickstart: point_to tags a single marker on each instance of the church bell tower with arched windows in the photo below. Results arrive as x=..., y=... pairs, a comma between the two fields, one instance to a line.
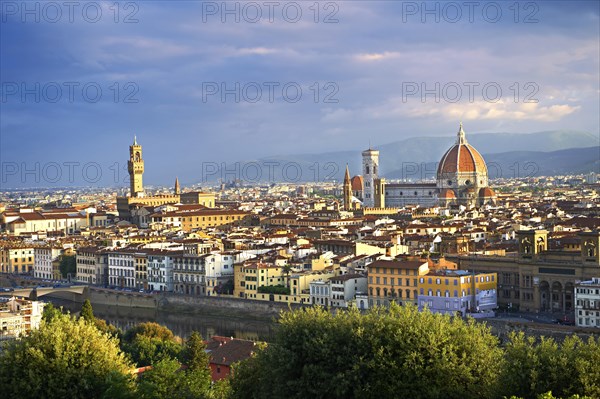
x=135, y=167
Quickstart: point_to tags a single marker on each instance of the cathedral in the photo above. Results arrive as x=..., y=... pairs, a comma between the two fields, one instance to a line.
x=461, y=179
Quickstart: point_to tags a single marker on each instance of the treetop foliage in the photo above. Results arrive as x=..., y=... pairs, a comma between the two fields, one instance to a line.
x=401, y=352
x=65, y=357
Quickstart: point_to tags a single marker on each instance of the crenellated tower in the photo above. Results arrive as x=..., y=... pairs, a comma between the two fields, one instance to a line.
x=135, y=167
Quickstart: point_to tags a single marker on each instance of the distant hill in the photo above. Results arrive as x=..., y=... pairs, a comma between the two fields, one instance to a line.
x=431, y=149
x=553, y=152
x=523, y=164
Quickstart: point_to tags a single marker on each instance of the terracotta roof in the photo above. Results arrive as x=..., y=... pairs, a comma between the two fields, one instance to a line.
x=357, y=183
x=447, y=193
x=394, y=264
x=462, y=158
x=226, y=351
x=486, y=192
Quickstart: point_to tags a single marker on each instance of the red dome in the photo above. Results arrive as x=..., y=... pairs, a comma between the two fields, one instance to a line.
x=462, y=158
x=487, y=192
x=447, y=193
x=357, y=183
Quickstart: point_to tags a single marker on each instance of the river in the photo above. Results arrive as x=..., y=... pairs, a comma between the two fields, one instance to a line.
x=180, y=323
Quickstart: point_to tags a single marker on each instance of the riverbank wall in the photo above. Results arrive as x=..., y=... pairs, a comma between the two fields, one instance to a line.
x=268, y=311
x=216, y=306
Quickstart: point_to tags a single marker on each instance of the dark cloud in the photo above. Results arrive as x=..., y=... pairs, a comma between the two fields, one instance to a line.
x=354, y=76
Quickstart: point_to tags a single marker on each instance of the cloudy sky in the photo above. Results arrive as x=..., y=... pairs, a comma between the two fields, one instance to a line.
x=212, y=81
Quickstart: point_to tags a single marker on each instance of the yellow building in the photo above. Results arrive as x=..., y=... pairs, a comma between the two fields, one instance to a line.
x=239, y=280
x=258, y=275
x=250, y=277
x=16, y=258
x=453, y=291
x=141, y=270
x=189, y=220
x=324, y=260
x=394, y=281
x=300, y=284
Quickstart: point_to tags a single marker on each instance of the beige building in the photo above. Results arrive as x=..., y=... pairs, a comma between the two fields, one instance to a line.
x=536, y=278
x=29, y=221
x=19, y=316
x=92, y=265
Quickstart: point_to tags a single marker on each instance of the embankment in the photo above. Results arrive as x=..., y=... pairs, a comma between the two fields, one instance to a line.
x=216, y=306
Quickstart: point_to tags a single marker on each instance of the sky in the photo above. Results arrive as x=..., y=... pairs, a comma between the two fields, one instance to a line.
x=201, y=82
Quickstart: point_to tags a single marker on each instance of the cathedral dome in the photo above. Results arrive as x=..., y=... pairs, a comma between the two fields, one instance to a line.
x=447, y=193
x=461, y=158
x=487, y=192
x=357, y=183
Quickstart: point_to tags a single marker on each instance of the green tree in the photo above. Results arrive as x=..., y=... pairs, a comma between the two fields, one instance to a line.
x=395, y=352
x=50, y=312
x=150, y=330
x=67, y=265
x=107, y=328
x=287, y=269
x=221, y=389
x=87, y=313
x=248, y=379
x=536, y=367
x=168, y=379
x=194, y=354
x=147, y=343
x=64, y=358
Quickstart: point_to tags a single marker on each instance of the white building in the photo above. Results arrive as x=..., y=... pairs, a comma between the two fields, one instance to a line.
x=160, y=271
x=219, y=269
x=121, y=268
x=43, y=257
x=587, y=303
x=189, y=273
x=320, y=292
x=345, y=287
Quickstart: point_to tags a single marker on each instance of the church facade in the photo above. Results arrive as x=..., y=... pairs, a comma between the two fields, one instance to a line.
x=461, y=179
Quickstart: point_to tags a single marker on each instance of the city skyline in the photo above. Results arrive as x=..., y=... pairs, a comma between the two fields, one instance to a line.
x=384, y=72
